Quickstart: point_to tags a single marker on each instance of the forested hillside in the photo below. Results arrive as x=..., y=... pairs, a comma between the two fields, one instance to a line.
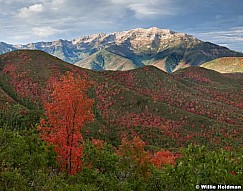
x=67, y=128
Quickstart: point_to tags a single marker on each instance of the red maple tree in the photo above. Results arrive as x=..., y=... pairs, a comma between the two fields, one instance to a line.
x=67, y=109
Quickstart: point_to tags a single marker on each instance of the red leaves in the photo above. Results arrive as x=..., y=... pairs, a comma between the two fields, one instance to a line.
x=164, y=157
x=67, y=109
x=98, y=143
x=134, y=149
x=196, y=76
x=9, y=69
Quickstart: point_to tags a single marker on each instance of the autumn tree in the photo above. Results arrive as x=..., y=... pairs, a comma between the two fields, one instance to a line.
x=134, y=160
x=66, y=110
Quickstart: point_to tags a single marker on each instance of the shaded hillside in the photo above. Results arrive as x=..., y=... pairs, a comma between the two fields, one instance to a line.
x=105, y=60
x=225, y=65
x=194, y=105
x=163, y=48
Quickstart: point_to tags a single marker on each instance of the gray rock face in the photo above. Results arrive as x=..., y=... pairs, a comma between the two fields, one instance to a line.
x=131, y=49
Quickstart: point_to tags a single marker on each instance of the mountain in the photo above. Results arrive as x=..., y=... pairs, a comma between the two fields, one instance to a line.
x=225, y=65
x=163, y=48
x=192, y=105
x=6, y=48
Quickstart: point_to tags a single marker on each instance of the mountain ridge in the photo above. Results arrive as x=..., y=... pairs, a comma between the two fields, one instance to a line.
x=163, y=48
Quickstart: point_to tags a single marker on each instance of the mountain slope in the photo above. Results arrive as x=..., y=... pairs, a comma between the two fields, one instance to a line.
x=163, y=48
x=225, y=65
x=193, y=105
x=6, y=48
x=105, y=60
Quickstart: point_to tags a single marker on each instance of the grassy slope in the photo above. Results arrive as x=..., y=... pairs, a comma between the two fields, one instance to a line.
x=193, y=105
x=225, y=65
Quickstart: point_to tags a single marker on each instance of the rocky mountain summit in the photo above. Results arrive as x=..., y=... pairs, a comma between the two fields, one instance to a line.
x=163, y=48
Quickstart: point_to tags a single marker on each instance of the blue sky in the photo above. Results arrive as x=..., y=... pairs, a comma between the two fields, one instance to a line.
x=24, y=21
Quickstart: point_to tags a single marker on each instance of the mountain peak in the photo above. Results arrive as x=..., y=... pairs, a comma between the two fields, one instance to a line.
x=88, y=38
x=154, y=30
x=118, y=37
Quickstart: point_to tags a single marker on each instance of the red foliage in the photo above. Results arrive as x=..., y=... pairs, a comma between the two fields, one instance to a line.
x=67, y=109
x=23, y=84
x=164, y=157
x=98, y=143
x=134, y=149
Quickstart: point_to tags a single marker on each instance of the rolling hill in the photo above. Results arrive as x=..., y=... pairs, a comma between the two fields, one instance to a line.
x=192, y=105
x=225, y=65
x=163, y=48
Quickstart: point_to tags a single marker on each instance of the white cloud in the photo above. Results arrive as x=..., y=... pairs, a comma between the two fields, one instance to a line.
x=73, y=18
x=142, y=10
x=44, y=32
x=30, y=11
x=233, y=34
x=20, y=37
x=148, y=8
x=231, y=38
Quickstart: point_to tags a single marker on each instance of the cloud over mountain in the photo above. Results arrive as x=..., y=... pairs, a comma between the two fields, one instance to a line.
x=69, y=19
